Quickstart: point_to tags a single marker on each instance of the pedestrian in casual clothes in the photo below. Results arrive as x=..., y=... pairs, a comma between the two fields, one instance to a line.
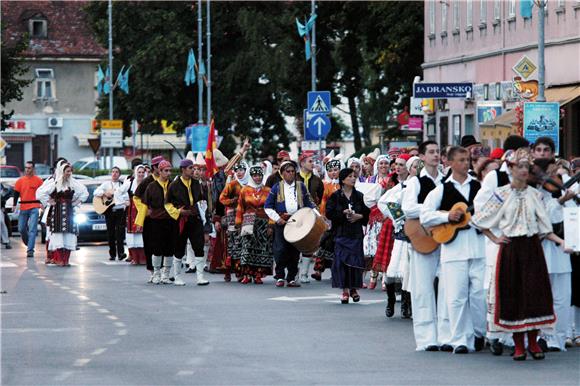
x=28, y=208
x=115, y=215
x=348, y=213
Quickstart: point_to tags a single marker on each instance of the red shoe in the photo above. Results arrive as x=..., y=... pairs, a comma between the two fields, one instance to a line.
x=280, y=283
x=344, y=298
x=384, y=287
x=245, y=280
x=258, y=280
x=372, y=284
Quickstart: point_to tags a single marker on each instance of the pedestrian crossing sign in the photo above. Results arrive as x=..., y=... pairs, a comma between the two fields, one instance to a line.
x=524, y=67
x=319, y=102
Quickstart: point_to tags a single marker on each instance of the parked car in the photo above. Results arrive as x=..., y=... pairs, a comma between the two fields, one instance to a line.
x=42, y=170
x=8, y=171
x=91, y=225
x=102, y=163
x=7, y=192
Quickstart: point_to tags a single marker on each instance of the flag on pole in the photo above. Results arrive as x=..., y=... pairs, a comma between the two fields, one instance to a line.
x=123, y=80
x=190, y=72
x=201, y=71
x=106, y=85
x=304, y=32
x=100, y=78
x=526, y=8
x=211, y=167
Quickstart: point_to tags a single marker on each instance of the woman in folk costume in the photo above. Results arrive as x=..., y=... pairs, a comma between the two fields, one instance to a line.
x=255, y=233
x=229, y=198
x=520, y=297
x=356, y=165
x=379, y=238
x=368, y=163
x=161, y=225
x=323, y=257
x=134, y=233
x=398, y=267
x=218, y=250
x=348, y=213
x=64, y=194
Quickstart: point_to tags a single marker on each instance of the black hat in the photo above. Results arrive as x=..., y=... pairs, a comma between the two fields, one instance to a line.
x=468, y=140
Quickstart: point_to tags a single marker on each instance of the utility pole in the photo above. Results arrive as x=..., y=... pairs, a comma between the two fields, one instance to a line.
x=199, y=61
x=110, y=74
x=313, y=70
x=542, y=67
x=208, y=55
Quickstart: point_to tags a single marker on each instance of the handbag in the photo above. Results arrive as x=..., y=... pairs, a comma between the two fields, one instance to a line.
x=248, y=224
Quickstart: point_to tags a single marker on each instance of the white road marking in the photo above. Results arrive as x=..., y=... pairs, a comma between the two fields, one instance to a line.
x=113, y=341
x=183, y=373
x=298, y=298
x=94, y=304
x=26, y=330
x=73, y=292
x=83, y=297
x=122, y=332
x=362, y=302
x=99, y=351
x=103, y=310
x=120, y=324
x=64, y=287
x=81, y=362
x=63, y=376
x=112, y=317
x=5, y=264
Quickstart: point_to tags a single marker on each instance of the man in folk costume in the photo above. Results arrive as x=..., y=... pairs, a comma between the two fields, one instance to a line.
x=430, y=323
x=115, y=215
x=463, y=258
x=229, y=198
x=134, y=236
x=276, y=177
x=143, y=219
x=186, y=203
x=285, y=198
x=63, y=194
x=315, y=188
x=162, y=225
x=325, y=254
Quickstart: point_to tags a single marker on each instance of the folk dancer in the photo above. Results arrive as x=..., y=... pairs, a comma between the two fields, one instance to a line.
x=28, y=207
x=520, y=297
x=463, y=258
x=115, y=215
x=162, y=225
x=315, y=188
x=218, y=252
x=348, y=213
x=186, y=203
x=324, y=255
x=134, y=233
x=285, y=198
x=229, y=198
x=390, y=206
x=255, y=232
x=356, y=165
x=430, y=323
x=143, y=219
x=63, y=194
x=276, y=176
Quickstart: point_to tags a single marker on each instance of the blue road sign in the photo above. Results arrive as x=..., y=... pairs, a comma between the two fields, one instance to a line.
x=197, y=136
x=314, y=124
x=319, y=102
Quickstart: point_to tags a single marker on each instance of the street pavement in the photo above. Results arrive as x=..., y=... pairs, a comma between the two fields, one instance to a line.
x=99, y=323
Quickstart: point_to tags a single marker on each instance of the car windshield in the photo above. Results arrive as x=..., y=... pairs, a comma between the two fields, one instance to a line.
x=91, y=189
x=77, y=165
x=9, y=172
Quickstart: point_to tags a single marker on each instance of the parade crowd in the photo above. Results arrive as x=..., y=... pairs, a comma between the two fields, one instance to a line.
x=503, y=276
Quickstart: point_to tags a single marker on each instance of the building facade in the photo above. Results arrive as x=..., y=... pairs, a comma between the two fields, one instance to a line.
x=480, y=41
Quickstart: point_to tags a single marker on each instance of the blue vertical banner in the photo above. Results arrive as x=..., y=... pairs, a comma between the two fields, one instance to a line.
x=526, y=8
x=197, y=135
x=542, y=119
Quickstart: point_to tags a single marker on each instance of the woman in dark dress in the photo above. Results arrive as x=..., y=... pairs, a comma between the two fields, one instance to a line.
x=348, y=213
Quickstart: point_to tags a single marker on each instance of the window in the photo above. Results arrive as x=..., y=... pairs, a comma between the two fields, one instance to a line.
x=432, y=17
x=37, y=28
x=483, y=12
x=469, y=15
x=444, y=16
x=456, y=15
x=512, y=9
x=45, y=84
x=497, y=10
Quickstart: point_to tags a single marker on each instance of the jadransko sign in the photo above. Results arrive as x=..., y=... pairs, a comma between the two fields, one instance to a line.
x=442, y=90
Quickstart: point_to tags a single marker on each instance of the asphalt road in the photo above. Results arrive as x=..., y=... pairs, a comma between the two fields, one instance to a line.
x=99, y=323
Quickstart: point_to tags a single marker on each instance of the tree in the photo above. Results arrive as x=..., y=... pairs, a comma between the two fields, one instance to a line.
x=13, y=69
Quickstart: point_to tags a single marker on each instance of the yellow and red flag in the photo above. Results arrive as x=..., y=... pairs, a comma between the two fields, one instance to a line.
x=211, y=167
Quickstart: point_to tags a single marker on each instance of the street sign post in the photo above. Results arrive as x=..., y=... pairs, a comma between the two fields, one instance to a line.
x=311, y=145
x=316, y=127
x=525, y=67
x=111, y=124
x=319, y=102
x=112, y=138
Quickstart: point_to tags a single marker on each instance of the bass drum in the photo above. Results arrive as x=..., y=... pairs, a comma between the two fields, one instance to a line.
x=304, y=230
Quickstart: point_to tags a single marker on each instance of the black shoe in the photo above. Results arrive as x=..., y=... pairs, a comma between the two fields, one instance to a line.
x=479, y=343
x=406, y=312
x=554, y=349
x=112, y=258
x=122, y=257
x=432, y=348
x=461, y=350
x=30, y=254
x=446, y=348
x=537, y=355
x=390, y=310
x=543, y=345
x=191, y=270
x=496, y=347
x=7, y=246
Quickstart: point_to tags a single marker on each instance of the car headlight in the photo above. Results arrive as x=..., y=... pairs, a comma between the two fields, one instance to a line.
x=80, y=218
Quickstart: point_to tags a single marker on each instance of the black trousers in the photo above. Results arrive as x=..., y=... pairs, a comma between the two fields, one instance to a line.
x=286, y=256
x=147, y=243
x=116, y=223
x=192, y=231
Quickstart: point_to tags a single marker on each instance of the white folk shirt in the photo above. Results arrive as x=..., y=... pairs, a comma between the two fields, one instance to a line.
x=468, y=244
x=119, y=197
x=289, y=199
x=410, y=204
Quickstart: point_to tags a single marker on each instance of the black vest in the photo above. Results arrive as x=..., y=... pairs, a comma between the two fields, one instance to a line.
x=427, y=185
x=451, y=196
x=502, y=178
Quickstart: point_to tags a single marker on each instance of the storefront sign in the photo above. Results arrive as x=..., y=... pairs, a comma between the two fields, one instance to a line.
x=415, y=123
x=18, y=127
x=442, y=90
x=487, y=111
x=542, y=119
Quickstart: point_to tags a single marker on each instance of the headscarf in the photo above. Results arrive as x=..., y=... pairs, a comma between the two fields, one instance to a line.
x=255, y=170
x=60, y=183
x=376, y=165
x=352, y=160
x=268, y=171
x=515, y=157
x=246, y=178
x=134, y=182
x=410, y=162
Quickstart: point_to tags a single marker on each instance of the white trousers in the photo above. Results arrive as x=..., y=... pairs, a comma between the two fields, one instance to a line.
x=562, y=294
x=429, y=320
x=465, y=300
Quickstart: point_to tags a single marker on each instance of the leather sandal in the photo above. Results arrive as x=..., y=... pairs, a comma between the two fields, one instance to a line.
x=344, y=298
x=355, y=296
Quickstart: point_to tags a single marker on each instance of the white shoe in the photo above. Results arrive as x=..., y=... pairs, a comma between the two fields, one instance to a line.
x=177, y=280
x=177, y=272
x=156, y=277
x=304, y=279
x=165, y=275
x=199, y=265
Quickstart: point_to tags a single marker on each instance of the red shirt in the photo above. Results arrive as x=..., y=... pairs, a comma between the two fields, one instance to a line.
x=27, y=187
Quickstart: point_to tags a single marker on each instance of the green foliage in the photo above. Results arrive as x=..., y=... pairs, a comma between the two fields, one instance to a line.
x=13, y=70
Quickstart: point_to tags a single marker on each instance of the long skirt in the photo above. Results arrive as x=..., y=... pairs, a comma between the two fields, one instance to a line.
x=348, y=264
x=384, y=247
x=256, y=250
x=399, y=264
x=218, y=250
x=520, y=295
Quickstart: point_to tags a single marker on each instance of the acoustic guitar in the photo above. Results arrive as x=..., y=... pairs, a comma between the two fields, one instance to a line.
x=419, y=236
x=447, y=232
x=101, y=204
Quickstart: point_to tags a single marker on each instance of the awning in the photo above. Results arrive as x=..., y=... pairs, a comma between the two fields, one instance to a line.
x=563, y=95
x=150, y=142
